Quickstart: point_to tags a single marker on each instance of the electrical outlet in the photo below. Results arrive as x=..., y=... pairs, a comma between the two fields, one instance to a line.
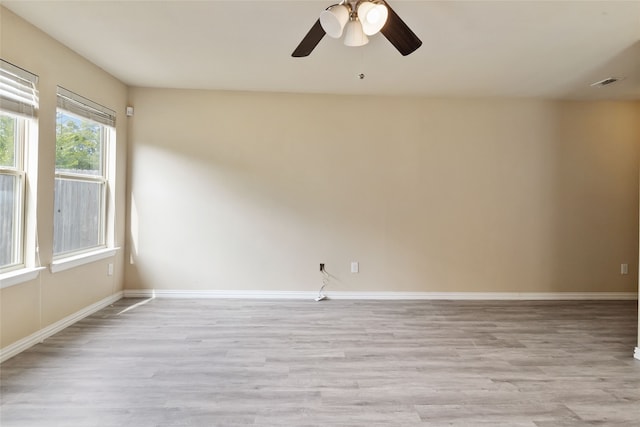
x=321, y=267
x=110, y=270
x=624, y=268
x=355, y=267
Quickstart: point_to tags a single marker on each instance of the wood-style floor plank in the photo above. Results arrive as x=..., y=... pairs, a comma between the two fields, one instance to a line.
x=172, y=362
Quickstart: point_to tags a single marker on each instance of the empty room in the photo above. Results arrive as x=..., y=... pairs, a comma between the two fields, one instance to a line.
x=307, y=213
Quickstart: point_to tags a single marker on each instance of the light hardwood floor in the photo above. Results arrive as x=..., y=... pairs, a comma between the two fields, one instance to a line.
x=171, y=362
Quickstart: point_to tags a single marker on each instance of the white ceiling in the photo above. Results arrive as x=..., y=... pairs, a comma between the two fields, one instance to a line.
x=551, y=49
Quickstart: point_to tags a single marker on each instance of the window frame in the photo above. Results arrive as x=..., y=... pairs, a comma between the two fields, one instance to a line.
x=19, y=99
x=19, y=171
x=105, y=240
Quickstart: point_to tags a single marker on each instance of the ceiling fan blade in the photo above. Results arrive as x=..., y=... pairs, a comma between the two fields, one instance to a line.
x=310, y=41
x=399, y=34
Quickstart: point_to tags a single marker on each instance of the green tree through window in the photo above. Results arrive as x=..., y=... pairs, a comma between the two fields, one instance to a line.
x=7, y=140
x=78, y=145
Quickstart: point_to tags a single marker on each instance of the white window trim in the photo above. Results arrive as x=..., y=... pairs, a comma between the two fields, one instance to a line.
x=26, y=170
x=16, y=277
x=21, y=101
x=108, y=135
x=81, y=259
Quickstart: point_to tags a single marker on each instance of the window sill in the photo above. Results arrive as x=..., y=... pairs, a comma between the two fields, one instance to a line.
x=81, y=259
x=19, y=276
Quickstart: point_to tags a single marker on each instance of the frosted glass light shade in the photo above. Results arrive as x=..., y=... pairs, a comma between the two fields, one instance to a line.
x=334, y=19
x=353, y=34
x=372, y=16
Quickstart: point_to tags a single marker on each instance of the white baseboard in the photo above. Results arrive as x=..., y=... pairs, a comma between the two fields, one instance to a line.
x=162, y=293
x=636, y=353
x=39, y=336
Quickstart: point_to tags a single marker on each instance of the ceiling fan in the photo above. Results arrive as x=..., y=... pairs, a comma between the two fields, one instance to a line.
x=358, y=19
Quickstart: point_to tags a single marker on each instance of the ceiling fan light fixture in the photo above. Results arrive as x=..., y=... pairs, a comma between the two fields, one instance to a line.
x=373, y=16
x=354, y=36
x=348, y=17
x=334, y=19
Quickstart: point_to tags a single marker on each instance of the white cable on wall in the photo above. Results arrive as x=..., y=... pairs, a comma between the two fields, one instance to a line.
x=325, y=281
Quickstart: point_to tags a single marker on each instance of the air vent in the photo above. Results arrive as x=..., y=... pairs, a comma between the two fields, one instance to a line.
x=605, y=82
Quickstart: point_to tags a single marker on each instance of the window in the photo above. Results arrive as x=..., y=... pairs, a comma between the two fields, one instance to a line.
x=18, y=106
x=84, y=133
x=12, y=189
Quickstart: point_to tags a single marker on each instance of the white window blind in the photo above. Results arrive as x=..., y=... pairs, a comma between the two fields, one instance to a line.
x=83, y=107
x=18, y=92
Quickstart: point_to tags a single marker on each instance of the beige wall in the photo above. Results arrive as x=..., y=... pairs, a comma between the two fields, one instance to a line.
x=28, y=307
x=250, y=191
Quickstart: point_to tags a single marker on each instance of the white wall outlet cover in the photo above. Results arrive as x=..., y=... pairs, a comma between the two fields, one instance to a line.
x=355, y=267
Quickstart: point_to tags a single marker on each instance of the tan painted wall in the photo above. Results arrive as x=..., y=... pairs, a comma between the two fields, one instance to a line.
x=252, y=191
x=28, y=307
x=246, y=191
